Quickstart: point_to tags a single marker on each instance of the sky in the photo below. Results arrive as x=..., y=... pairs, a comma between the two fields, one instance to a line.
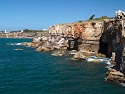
x=40, y=14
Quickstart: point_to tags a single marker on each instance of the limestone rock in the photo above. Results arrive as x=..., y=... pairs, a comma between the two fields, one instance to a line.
x=36, y=44
x=46, y=49
x=39, y=49
x=79, y=56
x=96, y=60
x=58, y=53
x=29, y=44
x=115, y=76
x=117, y=73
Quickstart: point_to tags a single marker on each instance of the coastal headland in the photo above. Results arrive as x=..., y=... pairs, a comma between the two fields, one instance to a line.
x=83, y=39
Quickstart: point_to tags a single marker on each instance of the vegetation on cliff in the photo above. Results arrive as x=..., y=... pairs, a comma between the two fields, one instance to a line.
x=91, y=18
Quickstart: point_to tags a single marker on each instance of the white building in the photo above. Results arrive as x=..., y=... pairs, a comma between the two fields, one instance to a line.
x=44, y=29
x=5, y=31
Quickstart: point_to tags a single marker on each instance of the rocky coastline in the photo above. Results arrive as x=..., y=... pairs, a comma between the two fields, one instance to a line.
x=84, y=40
x=82, y=45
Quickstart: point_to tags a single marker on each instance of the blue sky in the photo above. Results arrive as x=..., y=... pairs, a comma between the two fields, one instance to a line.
x=40, y=14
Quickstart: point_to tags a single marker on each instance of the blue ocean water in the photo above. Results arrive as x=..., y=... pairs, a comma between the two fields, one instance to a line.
x=25, y=71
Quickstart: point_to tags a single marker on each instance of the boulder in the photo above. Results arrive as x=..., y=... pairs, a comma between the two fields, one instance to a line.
x=58, y=53
x=63, y=48
x=46, y=49
x=113, y=75
x=29, y=44
x=36, y=44
x=79, y=56
x=117, y=73
x=40, y=48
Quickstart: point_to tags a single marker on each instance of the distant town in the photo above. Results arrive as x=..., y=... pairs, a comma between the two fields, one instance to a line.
x=26, y=33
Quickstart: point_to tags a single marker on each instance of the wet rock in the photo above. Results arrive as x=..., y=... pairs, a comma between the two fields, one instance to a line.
x=24, y=43
x=100, y=55
x=113, y=75
x=58, y=53
x=36, y=44
x=63, y=48
x=79, y=56
x=29, y=44
x=33, y=44
x=82, y=55
x=39, y=49
x=43, y=48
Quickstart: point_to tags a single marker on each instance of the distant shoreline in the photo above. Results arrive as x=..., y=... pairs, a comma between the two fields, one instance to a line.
x=18, y=37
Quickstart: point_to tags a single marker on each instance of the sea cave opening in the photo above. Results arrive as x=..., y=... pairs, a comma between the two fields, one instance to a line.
x=103, y=47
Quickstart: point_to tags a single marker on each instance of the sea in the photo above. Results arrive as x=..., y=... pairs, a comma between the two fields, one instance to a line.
x=25, y=71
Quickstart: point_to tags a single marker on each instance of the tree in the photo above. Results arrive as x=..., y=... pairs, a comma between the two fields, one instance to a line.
x=91, y=17
x=26, y=30
x=80, y=21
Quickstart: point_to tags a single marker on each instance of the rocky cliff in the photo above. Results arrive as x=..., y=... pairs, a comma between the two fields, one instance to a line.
x=89, y=30
x=89, y=38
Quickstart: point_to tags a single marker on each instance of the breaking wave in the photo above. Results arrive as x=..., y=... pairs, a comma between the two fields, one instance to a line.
x=103, y=60
x=13, y=44
x=19, y=49
x=123, y=84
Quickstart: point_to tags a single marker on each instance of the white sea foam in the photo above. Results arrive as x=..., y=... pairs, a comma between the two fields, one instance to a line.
x=19, y=49
x=13, y=43
x=103, y=60
x=97, y=58
x=123, y=84
x=18, y=43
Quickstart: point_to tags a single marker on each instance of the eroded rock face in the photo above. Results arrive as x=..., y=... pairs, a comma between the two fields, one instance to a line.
x=48, y=44
x=85, y=30
x=92, y=36
x=85, y=33
x=75, y=34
